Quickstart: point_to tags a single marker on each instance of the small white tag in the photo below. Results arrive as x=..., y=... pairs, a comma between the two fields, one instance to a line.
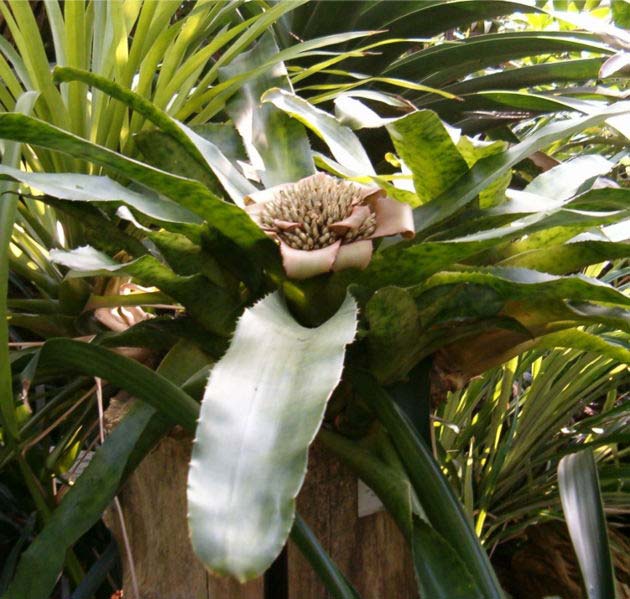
x=369, y=503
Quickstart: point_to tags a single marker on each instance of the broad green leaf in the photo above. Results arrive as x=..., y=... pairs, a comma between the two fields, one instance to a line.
x=123, y=449
x=440, y=572
x=587, y=342
x=525, y=76
x=343, y=143
x=160, y=150
x=443, y=509
x=446, y=62
x=615, y=318
x=277, y=145
x=246, y=470
x=508, y=102
x=90, y=188
x=427, y=148
x=621, y=13
x=394, y=326
x=227, y=218
x=571, y=257
x=491, y=168
x=405, y=265
x=521, y=284
x=586, y=521
x=564, y=180
x=210, y=304
x=102, y=231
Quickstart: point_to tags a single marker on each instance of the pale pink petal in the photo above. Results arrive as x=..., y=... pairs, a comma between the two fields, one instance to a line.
x=354, y=255
x=354, y=221
x=392, y=218
x=369, y=193
x=286, y=225
x=302, y=264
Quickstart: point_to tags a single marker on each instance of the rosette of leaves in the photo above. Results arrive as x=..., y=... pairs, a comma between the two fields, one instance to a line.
x=490, y=272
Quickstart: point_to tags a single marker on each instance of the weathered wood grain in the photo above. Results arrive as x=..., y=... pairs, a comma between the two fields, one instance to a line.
x=370, y=551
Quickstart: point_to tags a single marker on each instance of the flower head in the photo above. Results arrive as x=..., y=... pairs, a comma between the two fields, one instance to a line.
x=323, y=223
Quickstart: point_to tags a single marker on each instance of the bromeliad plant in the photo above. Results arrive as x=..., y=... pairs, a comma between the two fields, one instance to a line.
x=233, y=223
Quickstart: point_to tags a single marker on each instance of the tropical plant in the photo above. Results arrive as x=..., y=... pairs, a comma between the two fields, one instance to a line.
x=487, y=275
x=503, y=463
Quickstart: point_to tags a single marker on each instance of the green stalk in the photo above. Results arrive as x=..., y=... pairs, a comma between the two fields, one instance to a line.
x=333, y=579
x=442, y=507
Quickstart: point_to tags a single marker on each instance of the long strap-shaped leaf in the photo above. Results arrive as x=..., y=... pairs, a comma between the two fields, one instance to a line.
x=442, y=508
x=584, y=513
x=94, y=490
x=227, y=218
x=263, y=405
x=8, y=210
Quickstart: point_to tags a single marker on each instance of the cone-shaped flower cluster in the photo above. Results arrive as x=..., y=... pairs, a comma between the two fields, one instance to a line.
x=323, y=223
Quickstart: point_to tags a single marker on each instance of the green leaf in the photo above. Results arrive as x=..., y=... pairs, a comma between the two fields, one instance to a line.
x=394, y=327
x=123, y=449
x=263, y=405
x=8, y=210
x=425, y=145
x=89, y=188
x=138, y=380
x=487, y=170
x=564, y=181
x=446, y=62
x=443, y=509
x=334, y=580
x=521, y=284
x=200, y=149
x=587, y=342
x=229, y=219
x=211, y=305
x=343, y=143
x=584, y=514
x=42, y=562
x=277, y=145
x=526, y=76
x=621, y=13
x=440, y=572
x=571, y=257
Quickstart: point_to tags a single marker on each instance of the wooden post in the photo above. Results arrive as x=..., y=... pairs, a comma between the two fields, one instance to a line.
x=154, y=509
x=369, y=550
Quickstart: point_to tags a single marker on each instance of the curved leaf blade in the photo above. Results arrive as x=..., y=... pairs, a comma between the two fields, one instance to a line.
x=123, y=449
x=582, y=506
x=487, y=170
x=91, y=188
x=443, y=509
x=263, y=405
x=440, y=571
x=343, y=143
x=227, y=218
x=276, y=144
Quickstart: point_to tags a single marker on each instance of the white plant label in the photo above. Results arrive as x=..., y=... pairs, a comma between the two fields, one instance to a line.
x=369, y=503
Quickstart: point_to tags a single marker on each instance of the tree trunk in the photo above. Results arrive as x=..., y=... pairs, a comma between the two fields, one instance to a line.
x=369, y=550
